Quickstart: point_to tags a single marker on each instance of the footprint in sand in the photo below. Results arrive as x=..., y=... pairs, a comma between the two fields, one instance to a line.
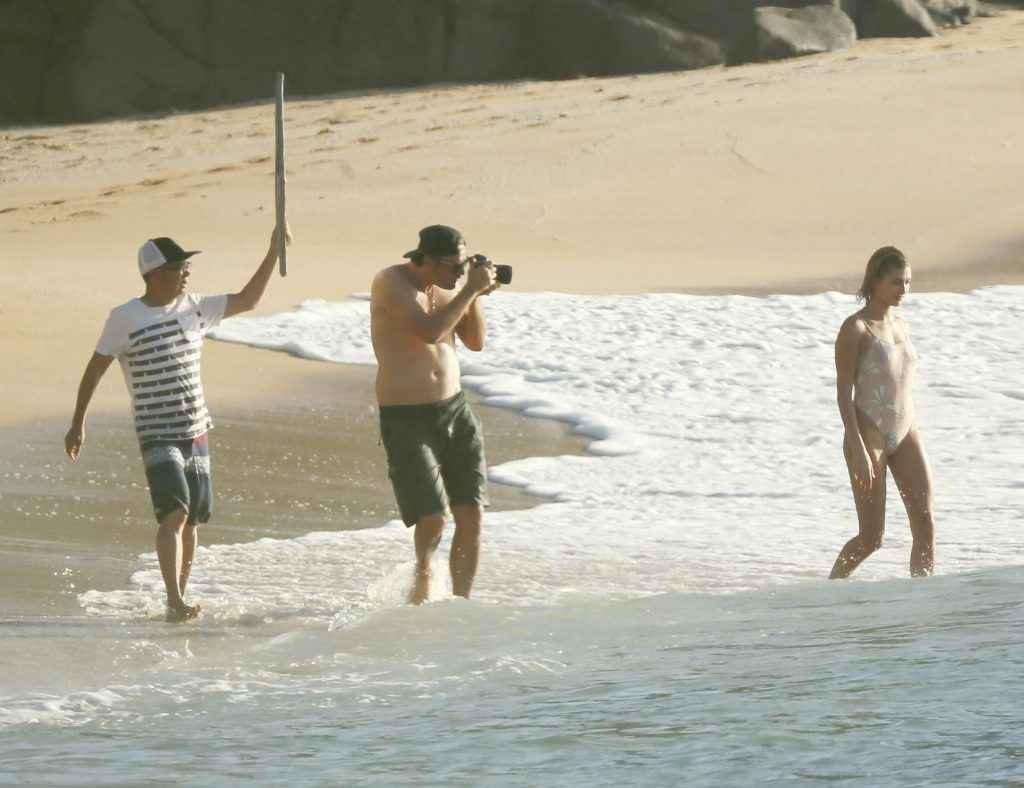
x=367, y=140
x=9, y=210
x=258, y=160
x=405, y=148
x=87, y=214
x=112, y=192
x=152, y=182
x=221, y=168
x=437, y=128
x=324, y=131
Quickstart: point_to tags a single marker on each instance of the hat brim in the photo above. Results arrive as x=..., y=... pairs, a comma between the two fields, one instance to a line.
x=183, y=258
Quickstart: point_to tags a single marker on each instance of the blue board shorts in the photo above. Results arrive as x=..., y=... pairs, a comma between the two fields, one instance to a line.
x=435, y=456
x=178, y=473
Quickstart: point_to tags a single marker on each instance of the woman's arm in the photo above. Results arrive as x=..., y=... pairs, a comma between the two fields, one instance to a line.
x=847, y=354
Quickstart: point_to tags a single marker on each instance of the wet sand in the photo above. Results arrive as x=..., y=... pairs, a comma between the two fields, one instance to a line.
x=284, y=465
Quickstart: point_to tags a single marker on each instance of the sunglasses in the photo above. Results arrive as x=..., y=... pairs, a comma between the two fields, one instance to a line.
x=458, y=268
x=176, y=267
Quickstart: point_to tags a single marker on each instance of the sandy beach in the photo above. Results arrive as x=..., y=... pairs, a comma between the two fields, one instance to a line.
x=657, y=607
x=767, y=177
x=764, y=178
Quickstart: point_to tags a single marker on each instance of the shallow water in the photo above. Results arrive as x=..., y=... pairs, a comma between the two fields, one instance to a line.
x=661, y=618
x=886, y=683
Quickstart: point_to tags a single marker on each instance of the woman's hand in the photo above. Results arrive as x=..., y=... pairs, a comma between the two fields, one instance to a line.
x=861, y=463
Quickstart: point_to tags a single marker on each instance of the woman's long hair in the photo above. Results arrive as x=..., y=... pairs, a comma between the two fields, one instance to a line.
x=882, y=262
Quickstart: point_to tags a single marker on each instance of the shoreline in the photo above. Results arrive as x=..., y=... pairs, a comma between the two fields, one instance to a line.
x=759, y=179
x=280, y=470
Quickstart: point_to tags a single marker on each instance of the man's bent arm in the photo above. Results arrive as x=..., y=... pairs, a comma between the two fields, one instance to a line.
x=472, y=329
x=94, y=371
x=399, y=298
x=249, y=296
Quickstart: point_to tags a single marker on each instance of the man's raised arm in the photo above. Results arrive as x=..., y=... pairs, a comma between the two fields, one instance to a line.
x=249, y=296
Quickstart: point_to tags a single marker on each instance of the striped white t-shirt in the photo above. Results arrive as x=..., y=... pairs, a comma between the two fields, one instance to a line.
x=159, y=348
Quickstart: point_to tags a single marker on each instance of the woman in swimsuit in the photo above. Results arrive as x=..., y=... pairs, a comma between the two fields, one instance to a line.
x=875, y=363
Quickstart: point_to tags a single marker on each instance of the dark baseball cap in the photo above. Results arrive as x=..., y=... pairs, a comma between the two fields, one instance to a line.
x=159, y=251
x=438, y=240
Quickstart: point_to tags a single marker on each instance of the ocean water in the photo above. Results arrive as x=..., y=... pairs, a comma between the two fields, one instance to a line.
x=661, y=617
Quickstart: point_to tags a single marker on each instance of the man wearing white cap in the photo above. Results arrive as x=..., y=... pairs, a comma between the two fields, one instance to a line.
x=157, y=339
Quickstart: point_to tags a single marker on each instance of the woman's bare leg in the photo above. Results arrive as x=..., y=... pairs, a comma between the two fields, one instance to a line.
x=870, y=505
x=913, y=477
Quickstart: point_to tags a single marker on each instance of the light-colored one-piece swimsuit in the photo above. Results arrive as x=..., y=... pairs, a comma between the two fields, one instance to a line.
x=885, y=375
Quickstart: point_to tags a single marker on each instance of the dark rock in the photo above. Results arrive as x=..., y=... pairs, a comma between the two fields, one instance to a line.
x=951, y=12
x=595, y=37
x=25, y=41
x=123, y=65
x=488, y=40
x=72, y=60
x=794, y=3
x=729, y=22
x=790, y=32
x=889, y=18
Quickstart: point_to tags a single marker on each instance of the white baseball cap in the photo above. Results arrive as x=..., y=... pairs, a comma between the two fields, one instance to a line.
x=160, y=251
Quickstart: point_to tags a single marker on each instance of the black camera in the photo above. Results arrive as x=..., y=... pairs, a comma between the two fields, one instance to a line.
x=503, y=273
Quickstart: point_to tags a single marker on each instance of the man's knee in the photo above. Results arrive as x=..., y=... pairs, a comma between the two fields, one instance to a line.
x=430, y=528
x=174, y=520
x=468, y=515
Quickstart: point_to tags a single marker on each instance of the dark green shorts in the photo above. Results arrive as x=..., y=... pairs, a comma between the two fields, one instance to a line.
x=435, y=456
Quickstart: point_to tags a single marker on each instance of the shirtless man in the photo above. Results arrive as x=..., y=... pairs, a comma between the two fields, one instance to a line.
x=433, y=440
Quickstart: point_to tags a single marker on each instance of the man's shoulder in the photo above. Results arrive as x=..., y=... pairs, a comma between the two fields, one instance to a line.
x=393, y=272
x=191, y=301
x=128, y=306
x=127, y=310
x=391, y=280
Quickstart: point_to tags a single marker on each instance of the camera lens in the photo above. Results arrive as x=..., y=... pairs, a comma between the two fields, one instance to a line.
x=503, y=273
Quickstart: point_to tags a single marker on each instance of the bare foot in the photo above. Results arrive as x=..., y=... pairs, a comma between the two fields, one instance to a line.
x=181, y=612
x=420, y=591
